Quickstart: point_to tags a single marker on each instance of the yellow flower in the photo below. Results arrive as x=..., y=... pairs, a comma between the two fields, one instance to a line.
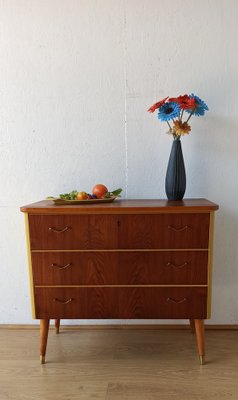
x=181, y=128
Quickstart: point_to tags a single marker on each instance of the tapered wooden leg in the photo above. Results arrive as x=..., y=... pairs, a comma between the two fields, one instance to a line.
x=44, y=329
x=192, y=325
x=57, y=325
x=199, y=329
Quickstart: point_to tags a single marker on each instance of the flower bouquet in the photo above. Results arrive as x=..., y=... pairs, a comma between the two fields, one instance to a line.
x=173, y=111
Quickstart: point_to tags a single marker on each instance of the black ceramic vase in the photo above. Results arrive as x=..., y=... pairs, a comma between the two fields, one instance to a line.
x=175, y=182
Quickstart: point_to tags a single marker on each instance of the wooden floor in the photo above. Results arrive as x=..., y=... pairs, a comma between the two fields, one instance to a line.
x=117, y=364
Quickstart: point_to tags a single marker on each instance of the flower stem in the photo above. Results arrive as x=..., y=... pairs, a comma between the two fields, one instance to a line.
x=169, y=124
x=181, y=116
x=190, y=116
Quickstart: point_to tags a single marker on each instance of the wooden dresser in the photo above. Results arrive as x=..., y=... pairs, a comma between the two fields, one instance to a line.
x=126, y=259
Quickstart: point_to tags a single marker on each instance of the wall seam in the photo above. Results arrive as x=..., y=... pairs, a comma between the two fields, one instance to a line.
x=125, y=99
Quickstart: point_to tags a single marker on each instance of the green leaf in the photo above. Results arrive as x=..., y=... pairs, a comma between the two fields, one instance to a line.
x=73, y=194
x=115, y=193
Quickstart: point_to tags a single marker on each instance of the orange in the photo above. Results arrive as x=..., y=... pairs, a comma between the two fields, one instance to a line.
x=82, y=196
x=99, y=190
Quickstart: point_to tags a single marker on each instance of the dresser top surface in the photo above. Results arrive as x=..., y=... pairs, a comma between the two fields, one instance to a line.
x=121, y=206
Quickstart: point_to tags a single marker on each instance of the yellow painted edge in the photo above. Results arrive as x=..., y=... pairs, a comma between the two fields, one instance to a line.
x=30, y=266
x=112, y=250
x=210, y=258
x=116, y=286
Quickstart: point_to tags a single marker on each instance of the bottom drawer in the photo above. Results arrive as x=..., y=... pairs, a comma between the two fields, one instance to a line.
x=121, y=302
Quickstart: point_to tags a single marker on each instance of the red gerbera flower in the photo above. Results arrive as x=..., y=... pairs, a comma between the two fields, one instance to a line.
x=157, y=105
x=185, y=102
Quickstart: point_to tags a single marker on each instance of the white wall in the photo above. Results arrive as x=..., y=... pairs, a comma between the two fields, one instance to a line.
x=76, y=79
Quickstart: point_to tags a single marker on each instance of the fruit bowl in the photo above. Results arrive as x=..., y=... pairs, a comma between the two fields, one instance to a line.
x=61, y=202
x=73, y=197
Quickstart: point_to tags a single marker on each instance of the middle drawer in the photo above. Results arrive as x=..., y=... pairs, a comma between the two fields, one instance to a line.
x=120, y=268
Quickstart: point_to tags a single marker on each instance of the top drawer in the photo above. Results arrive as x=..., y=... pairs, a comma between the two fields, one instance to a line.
x=144, y=231
x=73, y=232
x=164, y=231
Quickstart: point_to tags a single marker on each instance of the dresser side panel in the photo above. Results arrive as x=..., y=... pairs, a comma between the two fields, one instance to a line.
x=30, y=266
x=210, y=263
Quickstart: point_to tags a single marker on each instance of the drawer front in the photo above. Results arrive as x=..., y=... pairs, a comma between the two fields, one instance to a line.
x=171, y=231
x=120, y=268
x=73, y=232
x=148, y=302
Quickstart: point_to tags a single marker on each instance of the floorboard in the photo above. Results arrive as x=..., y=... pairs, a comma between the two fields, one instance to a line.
x=117, y=364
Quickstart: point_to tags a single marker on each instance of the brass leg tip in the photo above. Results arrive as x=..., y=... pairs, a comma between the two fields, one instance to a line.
x=42, y=359
x=202, y=360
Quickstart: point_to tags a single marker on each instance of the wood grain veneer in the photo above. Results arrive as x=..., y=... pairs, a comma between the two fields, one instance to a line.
x=131, y=206
x=118, y=268
x=160, y=231
x=123, y=302
x=84, y=231
x=164, y=231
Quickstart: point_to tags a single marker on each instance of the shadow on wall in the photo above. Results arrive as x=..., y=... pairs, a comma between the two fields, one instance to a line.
x=225, y=271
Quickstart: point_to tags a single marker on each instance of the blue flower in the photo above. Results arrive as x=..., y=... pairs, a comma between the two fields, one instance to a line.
x=200, y=106
x=169, y=111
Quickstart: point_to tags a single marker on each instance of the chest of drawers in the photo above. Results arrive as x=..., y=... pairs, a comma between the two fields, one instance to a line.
x=127, y=259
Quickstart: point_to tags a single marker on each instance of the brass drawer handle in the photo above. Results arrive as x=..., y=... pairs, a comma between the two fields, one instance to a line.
x=61, y=266
x=183, y=228
x=58, y=230
x=63, y=301
x=176, y=301
x=169, y=264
